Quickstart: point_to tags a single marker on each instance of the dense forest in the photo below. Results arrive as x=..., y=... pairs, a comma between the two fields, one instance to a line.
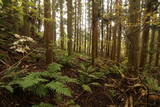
x=79, y=53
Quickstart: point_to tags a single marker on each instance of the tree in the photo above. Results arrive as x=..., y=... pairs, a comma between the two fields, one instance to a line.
x=145, y=35
x=69, y=25
x=26, y=28
x=48, y=32
x=119, y=30
x=94, y=30
x=158, y=50
x=61, y=24
x=102, y=27
x=54, y=20
x=133, y=36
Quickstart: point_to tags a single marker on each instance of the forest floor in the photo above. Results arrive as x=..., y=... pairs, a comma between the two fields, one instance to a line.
x=105, y=85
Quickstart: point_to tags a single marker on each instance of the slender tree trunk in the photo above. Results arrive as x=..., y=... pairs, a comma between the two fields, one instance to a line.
x=48, y=32
x=39, y=16
x=61, y=24
x=152, y=47
x=89, y=28
x=145, y=35
x=26, y=28
x=113, y=51
x=94, y=30
x=107, y=35
x=75, y=25
x=158, y=50
x=69, y=25
x=102, y=28
x=79, y=25
x=85, y=39
x=54, y=20
x=119, y=31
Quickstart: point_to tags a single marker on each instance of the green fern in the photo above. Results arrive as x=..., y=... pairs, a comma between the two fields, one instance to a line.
x=40, y=90
x=59, y=87
x=30, y=80
x=54, y=67
x=41, y=83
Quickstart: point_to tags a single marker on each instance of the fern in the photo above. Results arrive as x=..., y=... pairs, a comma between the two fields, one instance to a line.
x=41, y=83
x=153, y=83
x=40, y=90
x=29, y=81
x=59, y=87
x=54, y=67
x=65, y=79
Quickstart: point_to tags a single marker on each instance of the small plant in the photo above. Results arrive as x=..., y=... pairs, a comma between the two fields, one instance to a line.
x=41, y=83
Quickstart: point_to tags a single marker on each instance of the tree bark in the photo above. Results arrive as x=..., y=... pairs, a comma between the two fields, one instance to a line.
x=69, y=26
x=133, y=36
x=158, y=50
x=145, y=35
x=94, y=30
x=61, y=25
x=48, y=32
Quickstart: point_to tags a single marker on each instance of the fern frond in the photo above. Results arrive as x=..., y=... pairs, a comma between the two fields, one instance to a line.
x=29, y=81
x=50, y=74
x=54, y=67
x=66, y=79
x=40, y=90
x=59, y=88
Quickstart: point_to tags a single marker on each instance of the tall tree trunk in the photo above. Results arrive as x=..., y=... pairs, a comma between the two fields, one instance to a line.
x=145, y=35
x=79, y=25
x=158, y=50
x=107, y=35
x=119, y=31
x=39, y=16
x=85, y=39
x=69, y=25
x=94, y=30
x=114, y=42
x=75, y=25
x=61, y=24
x=133, y=36
x=54, y=20
x=26, y=28
x=89, y=27
x=48, y=32
x=102, y=28
x=152, y=48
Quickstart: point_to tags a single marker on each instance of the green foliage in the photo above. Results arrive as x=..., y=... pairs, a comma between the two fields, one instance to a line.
x=8, y=87
x=59, y=87
x=40, y=83
x=29, y=81
x=152, y=83
x=87, y=88
x=42, y=104
x=54, y=67
x=117, y=69
x=65, y=60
